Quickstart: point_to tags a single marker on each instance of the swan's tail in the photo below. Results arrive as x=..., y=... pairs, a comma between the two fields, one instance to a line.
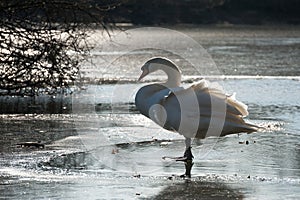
x=249, y=128
x=232, y=128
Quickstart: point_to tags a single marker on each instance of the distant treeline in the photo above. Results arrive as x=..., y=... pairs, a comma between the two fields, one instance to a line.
x=157, y=12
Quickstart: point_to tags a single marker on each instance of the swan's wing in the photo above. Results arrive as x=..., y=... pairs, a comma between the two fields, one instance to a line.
x=233, y=106
x=209, y=95
x=198, y=95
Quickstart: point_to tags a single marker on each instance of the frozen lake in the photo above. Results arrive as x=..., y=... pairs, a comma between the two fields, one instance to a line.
x=97, y=146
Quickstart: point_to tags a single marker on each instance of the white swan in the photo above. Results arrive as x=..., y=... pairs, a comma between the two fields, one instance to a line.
x=195, y=112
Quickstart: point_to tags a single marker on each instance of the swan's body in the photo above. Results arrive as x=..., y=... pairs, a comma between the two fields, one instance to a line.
x=192, y=112
x=172, y=115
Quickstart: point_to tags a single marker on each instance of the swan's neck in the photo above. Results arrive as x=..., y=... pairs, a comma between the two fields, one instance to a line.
x=174, y=77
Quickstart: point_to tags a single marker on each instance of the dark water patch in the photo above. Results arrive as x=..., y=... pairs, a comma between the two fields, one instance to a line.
x=198, y=190
x=18, y=129
x=269, y=112
x=41, y=104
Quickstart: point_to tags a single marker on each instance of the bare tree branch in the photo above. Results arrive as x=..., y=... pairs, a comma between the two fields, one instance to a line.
x=42, y=42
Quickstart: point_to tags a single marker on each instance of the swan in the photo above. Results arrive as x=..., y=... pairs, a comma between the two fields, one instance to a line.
x=194, y=112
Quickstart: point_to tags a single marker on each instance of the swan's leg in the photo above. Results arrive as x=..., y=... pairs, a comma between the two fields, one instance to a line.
x=188, y=146
x=187, y=158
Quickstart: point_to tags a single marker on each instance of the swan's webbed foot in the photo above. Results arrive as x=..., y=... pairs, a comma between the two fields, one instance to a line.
x=186, y=156
x=188, y=168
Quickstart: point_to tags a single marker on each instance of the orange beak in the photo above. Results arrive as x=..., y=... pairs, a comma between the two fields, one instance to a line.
x=145, y=73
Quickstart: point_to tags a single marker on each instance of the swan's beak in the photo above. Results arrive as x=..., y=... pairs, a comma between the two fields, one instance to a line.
x=144, y=73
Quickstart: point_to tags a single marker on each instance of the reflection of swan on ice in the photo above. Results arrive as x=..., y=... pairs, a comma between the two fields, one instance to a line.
x=195, y=112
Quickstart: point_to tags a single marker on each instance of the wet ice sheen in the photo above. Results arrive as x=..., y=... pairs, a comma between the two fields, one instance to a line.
x=119, y=164
x=267, y=165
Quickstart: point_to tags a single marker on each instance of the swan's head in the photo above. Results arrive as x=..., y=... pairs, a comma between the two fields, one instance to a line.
x=158, y=63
